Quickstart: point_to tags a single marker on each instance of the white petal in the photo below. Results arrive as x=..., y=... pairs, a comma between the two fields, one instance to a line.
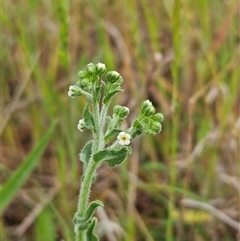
x=121, y=142
x=127, y=142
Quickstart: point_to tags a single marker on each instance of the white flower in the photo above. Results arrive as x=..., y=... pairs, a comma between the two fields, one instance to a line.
x=81, y=125
x=123, y=138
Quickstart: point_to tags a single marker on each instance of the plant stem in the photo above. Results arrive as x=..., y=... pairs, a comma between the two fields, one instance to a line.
x=84, y=194
x=90, y=170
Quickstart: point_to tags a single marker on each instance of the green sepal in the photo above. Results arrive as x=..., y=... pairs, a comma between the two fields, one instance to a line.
x=110, y=135
x=91, y=236
x=112, y=157
x=88, y=118
x=86, y=153
x=108, y=97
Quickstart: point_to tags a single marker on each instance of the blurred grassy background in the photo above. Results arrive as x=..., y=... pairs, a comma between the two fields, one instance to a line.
x=183, y=56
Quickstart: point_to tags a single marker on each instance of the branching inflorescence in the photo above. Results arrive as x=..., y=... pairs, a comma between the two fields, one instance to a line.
x=110, y=144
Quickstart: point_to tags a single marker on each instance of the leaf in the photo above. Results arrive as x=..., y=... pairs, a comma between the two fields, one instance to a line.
x=88, y=118
x=86, y=153
x=82, y=223
x=110, y=95
x=112, y=157
x=92, y=208
x=110, y=135
x=91, y=236
x=14, y=183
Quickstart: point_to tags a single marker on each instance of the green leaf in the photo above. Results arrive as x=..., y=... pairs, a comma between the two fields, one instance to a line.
x=82, y=223
x=14, y=183
x=112, y=157
x=86, y=153
x=88, y=118
x=110, y=135
x=92, y=208
x=91, y=236
x=108, y=97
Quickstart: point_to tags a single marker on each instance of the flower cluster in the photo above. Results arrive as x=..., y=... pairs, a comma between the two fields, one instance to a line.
x=148, y=121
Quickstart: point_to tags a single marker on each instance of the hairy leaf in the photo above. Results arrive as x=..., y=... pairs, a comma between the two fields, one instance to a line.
x=108, y=97
x=86, y=153
x=110, y=135
x=88, y=118
x=112, y=157
x=91, y=236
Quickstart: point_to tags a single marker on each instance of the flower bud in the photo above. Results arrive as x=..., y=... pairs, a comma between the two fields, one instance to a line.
x=81, y=125
x=85, y=83
x=121, y=111
x=158, y=117
x=91, y=68
x=114, y=76
x=156, y=126
x=147, y=108
x=74, y=91
x=100, y=69
x=81, y=74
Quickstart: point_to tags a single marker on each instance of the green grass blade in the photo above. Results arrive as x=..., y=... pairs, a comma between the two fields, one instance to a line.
x=11, y=187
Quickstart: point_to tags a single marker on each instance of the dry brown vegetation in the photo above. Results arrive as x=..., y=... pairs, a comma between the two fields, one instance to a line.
x=183, y=184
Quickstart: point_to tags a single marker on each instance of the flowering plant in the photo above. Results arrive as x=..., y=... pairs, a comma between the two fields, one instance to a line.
x=109, y=144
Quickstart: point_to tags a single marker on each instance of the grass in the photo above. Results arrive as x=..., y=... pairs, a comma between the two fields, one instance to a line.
x=183, y=56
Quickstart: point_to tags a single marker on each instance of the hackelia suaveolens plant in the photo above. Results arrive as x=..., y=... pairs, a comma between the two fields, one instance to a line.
x=110, y=143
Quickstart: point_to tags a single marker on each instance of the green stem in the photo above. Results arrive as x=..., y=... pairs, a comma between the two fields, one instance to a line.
x=90, y=170
x=84, y=195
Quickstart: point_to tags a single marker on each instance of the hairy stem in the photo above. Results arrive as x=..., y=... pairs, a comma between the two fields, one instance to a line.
x=90, y=171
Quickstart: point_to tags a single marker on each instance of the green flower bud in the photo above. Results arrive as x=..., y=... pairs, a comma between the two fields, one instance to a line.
x=147, y=108
x=158, y=117
x=91, y=68
x=100, y=69
x=121, y=111
x=85, y=82
x=81, y=74
x=114, y=76
x=156, y=126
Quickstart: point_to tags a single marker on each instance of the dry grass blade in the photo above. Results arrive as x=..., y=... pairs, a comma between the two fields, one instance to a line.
x=212, y=210
x=21, y=229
